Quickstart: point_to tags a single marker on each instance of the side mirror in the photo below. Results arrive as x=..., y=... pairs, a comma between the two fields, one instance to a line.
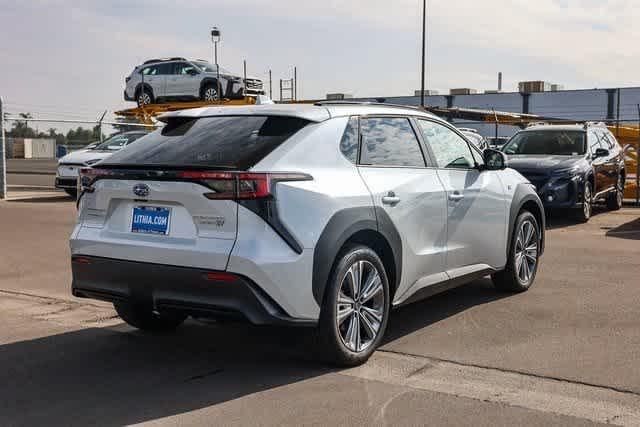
x=192, y=72
x=494, y=159
x=601, y=152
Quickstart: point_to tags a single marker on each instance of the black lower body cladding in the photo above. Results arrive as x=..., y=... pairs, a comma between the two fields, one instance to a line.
x=192, y=291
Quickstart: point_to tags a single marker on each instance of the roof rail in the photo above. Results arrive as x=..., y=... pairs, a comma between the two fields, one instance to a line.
x=532, y=124
x=177, y=58
x=595, y=124
x=470, y=130
x=369, y=103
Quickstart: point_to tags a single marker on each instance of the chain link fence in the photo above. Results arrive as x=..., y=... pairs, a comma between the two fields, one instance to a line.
x=32, y=145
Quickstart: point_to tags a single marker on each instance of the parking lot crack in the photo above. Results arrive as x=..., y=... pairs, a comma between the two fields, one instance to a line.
x=205, y=375
x=513, y=371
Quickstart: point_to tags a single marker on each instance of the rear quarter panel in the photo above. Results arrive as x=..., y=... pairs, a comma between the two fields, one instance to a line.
x=307, y=206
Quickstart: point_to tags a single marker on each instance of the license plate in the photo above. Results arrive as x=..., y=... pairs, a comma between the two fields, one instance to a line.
x=150, y=220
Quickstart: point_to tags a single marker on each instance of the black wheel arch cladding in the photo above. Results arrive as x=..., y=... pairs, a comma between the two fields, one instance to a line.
x=339, y=229
x=146, y=87
x=210, y=81
x=524, y=194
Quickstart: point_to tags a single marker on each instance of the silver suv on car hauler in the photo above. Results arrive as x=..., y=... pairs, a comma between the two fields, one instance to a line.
x=325, y=215
x=178, y=79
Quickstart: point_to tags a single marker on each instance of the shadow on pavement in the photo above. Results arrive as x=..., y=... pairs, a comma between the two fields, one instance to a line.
x=629, y=230
x=561, y=218
x=117, y=376
x=43, y=199
x=422, y=314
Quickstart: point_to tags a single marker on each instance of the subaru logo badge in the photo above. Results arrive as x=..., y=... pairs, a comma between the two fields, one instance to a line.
x=141, y=190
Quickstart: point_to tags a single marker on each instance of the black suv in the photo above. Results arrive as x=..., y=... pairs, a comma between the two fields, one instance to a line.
x=572, y=166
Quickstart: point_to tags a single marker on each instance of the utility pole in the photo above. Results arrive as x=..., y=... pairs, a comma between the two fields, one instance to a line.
x=295, y=83
x=638, y=162
x=244, y=71
x=3, y=160
x=100, y=124
x=618, y=116
x=424, y=36
x=270, y=86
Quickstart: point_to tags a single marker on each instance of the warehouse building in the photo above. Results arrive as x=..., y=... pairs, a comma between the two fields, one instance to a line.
x=607, y=105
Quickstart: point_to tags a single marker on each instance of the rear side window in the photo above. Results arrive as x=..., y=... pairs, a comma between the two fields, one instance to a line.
x=234, y=142
x=158, y=69
x=389, y=141
x=349, y=141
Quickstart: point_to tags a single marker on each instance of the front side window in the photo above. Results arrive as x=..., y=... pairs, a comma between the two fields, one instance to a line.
x=183, y=68
x=389, y=141
x=594, y=141
x=449, y=148
x=548, y=142
x=349, y=141
x=229, y=142
x=607, y=139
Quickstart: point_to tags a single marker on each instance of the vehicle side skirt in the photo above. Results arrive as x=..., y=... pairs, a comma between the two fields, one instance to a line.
x=451, y=283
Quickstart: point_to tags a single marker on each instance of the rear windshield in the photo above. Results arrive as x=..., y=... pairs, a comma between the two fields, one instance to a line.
x=230, y=142
x=552, y=142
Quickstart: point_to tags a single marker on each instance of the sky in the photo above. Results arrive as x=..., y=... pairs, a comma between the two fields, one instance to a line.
x=68, y=59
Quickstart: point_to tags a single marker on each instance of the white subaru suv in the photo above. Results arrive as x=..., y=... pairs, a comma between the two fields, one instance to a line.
x=325, y=215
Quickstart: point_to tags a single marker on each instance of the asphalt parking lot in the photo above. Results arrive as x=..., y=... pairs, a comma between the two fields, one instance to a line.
x=564, y=353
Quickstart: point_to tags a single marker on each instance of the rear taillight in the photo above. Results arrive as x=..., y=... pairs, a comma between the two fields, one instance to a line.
x=224, y=185
x=88, y=176
x=241, y=185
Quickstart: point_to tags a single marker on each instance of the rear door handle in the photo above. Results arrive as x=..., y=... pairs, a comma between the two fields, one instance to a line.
x=455, y=197
x=390, y=199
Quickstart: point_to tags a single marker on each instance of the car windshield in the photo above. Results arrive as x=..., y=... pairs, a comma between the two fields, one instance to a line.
x=116, y=142
x=210, y=68
x=549, y=142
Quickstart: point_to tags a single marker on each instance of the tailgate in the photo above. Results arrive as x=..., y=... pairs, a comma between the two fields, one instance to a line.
x=163, y=222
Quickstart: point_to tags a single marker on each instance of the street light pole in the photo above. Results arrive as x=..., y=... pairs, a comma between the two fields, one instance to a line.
x=424, y=36
x=215, y=38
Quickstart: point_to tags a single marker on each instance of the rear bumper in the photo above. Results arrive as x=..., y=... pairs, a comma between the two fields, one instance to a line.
x=66, y=182
x=184, y=289
x=127, y=97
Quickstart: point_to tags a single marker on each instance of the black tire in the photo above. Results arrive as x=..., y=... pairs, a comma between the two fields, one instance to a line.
x=72, y=192
x=210, y=93
x=583, y=214
x=333, y=333
x=144, y=318
x=144, y=96
x=512, y=278
x=614, y=201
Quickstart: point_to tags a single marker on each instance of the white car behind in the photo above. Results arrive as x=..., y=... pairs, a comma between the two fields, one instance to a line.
x=69, y=166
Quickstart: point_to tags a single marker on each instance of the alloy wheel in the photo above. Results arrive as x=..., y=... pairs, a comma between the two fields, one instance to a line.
x=526, y=252
x=360, y=306
x=144, y=98
x=211, y=94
